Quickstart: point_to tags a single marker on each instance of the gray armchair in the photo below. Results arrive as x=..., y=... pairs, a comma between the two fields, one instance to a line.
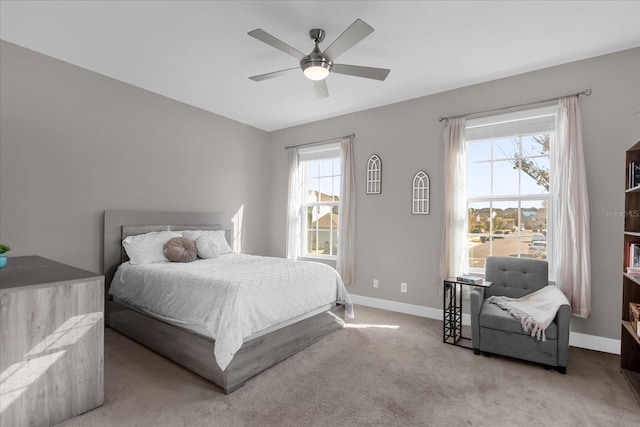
x=493, y=330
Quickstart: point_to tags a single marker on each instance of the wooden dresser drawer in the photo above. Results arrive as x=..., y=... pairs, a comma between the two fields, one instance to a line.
x=51, y=341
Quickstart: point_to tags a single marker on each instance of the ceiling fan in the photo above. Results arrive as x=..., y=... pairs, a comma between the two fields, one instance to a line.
x=318, y=64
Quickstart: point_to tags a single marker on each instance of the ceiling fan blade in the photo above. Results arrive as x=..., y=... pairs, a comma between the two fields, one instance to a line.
x=267, y=38
x=261, y=77
x=352, y=35
x=320, y=88
x=366, y=72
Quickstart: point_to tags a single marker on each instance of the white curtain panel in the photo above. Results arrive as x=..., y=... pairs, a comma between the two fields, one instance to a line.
x=571, y=248
x=454, y=254
x=294, y=207
x=347, y=223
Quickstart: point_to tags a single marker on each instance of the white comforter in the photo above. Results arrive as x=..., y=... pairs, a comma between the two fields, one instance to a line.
x=233, y=296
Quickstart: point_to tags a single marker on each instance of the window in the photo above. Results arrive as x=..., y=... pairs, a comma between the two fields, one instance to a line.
x=320, y=173
x=508, y=179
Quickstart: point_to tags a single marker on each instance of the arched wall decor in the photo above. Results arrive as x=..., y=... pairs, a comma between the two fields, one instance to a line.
x=374, y=175
x=420, y=198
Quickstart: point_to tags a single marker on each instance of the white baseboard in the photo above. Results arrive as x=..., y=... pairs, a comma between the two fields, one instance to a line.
x=594, y=342
x=576, y=339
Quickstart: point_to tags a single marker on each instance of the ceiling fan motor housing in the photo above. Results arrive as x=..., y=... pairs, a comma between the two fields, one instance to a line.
x=315, y=58
x=315, y=61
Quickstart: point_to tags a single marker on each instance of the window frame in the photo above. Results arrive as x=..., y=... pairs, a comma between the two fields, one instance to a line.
x=330, y=151
x=505, y=126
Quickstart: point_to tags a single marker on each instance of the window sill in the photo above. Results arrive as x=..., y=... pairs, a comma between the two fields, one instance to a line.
x=322, y=257
x=331, y=261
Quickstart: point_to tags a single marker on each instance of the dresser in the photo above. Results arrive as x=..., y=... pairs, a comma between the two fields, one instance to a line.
x=51, y=341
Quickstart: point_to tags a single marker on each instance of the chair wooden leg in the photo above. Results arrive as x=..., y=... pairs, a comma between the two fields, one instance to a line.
x=562, y=369
x=476, y=351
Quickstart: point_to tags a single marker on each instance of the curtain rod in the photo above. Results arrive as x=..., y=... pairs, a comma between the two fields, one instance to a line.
x=586, y=92
x=319, y=142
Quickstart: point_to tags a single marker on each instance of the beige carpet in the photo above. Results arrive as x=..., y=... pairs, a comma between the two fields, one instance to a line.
x=388, y=369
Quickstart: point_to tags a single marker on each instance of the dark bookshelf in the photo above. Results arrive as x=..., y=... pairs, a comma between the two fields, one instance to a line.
x=629, y=340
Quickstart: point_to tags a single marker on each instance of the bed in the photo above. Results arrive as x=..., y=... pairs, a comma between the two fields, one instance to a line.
x=188, y=338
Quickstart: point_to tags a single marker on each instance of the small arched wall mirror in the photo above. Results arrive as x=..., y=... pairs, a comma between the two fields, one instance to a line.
x=420, y=198
x=374, y=174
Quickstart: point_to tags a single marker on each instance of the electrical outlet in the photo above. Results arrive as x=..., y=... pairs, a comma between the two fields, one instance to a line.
x=375, y=283
x=403, y=287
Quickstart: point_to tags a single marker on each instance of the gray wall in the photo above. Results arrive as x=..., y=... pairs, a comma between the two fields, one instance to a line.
x=395, y=246
x=74, y=143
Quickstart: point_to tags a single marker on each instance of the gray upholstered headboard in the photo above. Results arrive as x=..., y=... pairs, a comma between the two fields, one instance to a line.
x=119, y=224
x=134, y=230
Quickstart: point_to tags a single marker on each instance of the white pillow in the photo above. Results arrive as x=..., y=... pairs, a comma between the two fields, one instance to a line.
x=207, y=247
x=148, y=248
x=217, y=236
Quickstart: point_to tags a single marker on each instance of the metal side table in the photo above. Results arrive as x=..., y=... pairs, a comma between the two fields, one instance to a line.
x=452, y=312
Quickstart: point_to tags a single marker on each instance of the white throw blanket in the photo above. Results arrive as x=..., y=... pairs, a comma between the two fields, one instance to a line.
x=536, y=310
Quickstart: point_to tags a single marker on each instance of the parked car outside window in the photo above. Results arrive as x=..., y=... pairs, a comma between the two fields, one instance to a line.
x=538, y=248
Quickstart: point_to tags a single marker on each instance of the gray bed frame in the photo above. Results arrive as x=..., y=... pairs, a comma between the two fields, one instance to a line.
x=183, y=346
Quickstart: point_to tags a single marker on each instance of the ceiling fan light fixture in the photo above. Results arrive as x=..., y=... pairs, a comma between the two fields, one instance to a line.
x=316, y=70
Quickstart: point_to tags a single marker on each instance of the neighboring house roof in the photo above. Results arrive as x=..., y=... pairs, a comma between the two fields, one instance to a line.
x=322, y=197
x=326, y=221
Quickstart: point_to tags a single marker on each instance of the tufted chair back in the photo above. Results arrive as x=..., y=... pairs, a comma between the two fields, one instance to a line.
x=515, y=277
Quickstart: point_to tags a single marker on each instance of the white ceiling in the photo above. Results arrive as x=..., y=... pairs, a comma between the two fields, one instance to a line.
x=198, y=52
